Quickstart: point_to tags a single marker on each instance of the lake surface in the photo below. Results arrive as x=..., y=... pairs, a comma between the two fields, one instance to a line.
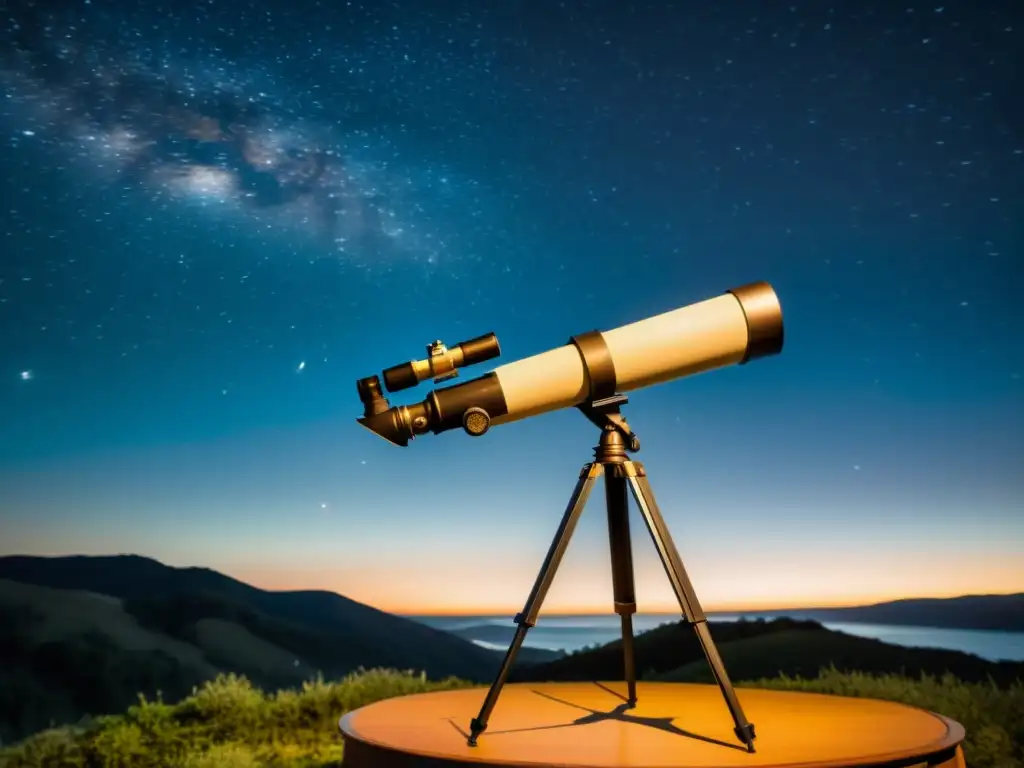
x=571, y=633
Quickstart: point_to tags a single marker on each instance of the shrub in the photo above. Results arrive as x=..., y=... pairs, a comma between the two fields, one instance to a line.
x=228, y=723
x=992, y=716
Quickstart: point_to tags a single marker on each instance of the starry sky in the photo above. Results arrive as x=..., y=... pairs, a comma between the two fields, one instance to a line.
x=216, y=217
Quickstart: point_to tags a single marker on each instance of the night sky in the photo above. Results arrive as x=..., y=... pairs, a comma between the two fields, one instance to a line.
x=217, y=216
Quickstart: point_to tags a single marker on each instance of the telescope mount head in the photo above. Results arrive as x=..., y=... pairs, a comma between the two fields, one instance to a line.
x=617, y=437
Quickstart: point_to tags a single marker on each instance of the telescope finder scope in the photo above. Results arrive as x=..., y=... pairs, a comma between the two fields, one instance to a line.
x=441, y=362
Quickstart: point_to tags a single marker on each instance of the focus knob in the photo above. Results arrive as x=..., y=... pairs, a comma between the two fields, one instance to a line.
x=476, y=421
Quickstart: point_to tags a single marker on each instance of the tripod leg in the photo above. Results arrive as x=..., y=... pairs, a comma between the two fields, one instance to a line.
x=692, y=611
x=528, y=617
x=622, y=569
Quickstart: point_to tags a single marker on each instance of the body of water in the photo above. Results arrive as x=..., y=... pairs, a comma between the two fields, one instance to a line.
x=571, y=633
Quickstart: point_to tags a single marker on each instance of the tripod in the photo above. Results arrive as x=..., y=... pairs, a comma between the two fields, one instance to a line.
x=611, y=460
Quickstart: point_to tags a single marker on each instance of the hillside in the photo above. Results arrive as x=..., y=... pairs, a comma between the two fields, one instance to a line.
x=756, y=649
x=69, y=653
x=358, y=631
x=992, y=612
x=72, y=652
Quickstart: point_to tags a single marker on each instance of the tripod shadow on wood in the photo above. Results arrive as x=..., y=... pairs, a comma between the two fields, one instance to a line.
x=611, y=461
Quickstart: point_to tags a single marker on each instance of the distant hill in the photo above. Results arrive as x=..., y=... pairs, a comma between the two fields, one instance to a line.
x=994, y=612
x=69, y=654
x=760, y=648
x=84, y=635
x=359, y=630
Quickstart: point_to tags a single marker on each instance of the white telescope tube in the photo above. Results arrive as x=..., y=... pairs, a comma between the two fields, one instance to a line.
x=700, y=337
x=742, y=324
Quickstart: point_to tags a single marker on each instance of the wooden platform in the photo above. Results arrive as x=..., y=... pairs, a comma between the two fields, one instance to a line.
x=586, y=725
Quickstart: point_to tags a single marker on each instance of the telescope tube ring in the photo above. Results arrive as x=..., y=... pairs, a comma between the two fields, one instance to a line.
x=597, y=363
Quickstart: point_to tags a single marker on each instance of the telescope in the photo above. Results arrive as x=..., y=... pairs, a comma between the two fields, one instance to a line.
x=741, y=325
x=591, y=372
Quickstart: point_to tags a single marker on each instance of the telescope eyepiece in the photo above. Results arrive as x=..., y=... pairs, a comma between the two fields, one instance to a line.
x=371, y=396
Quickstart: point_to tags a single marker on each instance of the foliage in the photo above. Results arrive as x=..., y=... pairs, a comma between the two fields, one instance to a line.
x=71, y=653
x=228, y=723
x=992, y=715
x=55, y=681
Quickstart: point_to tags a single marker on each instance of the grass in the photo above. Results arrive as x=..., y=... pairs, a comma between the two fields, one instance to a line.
x=993, y=716
x=228, y=723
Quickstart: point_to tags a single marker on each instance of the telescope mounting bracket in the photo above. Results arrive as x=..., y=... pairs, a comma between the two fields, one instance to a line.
x=606, y=415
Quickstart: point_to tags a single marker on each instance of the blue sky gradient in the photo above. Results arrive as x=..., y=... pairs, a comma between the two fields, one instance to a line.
x=178, y=378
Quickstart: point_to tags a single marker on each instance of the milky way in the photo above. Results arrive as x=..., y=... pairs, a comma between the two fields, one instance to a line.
x=209, y=131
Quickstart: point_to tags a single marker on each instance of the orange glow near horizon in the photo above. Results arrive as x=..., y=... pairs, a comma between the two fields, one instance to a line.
x=783, y=604
x=837, y=582
x=671, y=609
